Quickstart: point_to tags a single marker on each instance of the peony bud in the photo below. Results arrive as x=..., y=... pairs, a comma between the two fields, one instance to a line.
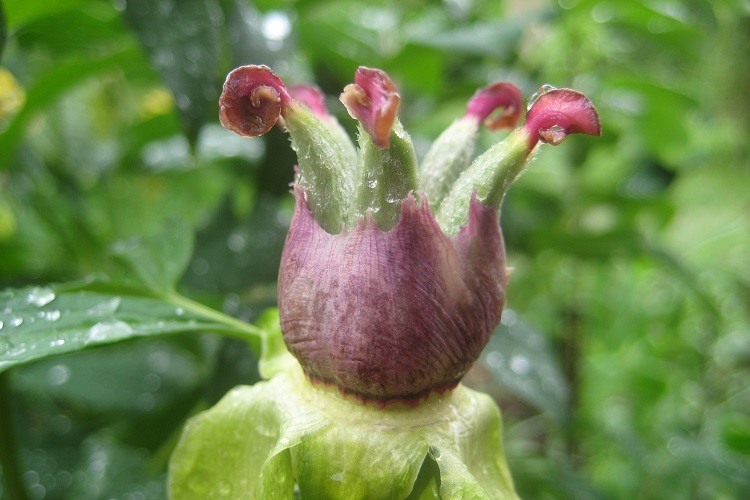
x=378, y=296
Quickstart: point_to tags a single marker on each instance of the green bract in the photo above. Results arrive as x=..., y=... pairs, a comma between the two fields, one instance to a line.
x=285, y=435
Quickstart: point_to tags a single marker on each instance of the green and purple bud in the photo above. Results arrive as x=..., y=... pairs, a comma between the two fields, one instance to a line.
x=497, y=106
x=393, y=277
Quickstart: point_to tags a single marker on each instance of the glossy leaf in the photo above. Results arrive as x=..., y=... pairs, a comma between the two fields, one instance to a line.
x=183, y=45
x=39, y=322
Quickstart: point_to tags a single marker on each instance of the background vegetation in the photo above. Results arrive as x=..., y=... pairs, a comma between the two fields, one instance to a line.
x=623, y=361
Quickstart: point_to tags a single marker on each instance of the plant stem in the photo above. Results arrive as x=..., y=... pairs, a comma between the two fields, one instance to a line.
x=8, y=445
x=250, y=333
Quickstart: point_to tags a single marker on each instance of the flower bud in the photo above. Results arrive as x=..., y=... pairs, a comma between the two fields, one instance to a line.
x=391, y=314
x=451, y=152
x=377, y=295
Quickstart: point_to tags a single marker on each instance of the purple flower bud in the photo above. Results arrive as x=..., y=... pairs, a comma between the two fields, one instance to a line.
x=312, y=97
x=375, y=296
x=373, y=100
x=391, y=315
x=252, y=101
x=555, y=113
x=501, y=95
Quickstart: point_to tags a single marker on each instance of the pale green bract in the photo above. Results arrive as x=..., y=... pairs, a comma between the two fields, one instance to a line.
x=286, y=435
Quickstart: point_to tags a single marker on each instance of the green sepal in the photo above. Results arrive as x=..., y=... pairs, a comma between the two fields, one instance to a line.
x=386, y=176
x=327, y=162
x=258, y=441
x=274, y=357
x=491, y=174
x=448, y=156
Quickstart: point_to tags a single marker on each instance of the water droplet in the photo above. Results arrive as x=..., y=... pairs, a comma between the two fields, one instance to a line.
x=57, y=343
x=151, y=382
x=110, y=330
x=338, y=477
x=179, y=311
x=200, y=267
x=183, y=101
x=435, y=453
x=373, y=183
x=1, y=324
x=105, y=308
x=145, y=401
x=61, y=425
x=520, y=365
x=224, y=489
x=37, y=491
x=495, y=359
x=58, y=374
x=542, y=90
x=53, y=315
x=40, y=296
x=236, y=242
x=509, y=317
x=16, y=321
x=159, y=360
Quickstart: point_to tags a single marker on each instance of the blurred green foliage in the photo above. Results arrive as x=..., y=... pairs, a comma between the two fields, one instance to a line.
x=623, y=361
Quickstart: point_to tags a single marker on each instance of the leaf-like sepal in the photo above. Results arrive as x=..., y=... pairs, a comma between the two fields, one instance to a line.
x=258, y=441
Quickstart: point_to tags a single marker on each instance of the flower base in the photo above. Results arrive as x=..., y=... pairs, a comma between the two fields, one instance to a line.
x=285, y=435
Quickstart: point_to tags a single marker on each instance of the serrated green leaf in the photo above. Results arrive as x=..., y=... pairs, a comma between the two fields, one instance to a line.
x=160, y=259
x=38, y=322
x=182, y=41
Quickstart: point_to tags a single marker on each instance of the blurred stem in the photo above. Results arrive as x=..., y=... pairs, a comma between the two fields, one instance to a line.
x=571, y=355
x=245, y=331
x=8, y=445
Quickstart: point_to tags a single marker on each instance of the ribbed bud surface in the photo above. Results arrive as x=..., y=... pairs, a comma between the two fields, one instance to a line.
x=391, y=314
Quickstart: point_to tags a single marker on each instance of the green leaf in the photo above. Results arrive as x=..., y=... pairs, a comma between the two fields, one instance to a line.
x=521, y=360
x=98, y=29
x=158, y=260
x=183, y=45
x=39, y=322
x=51, y=86
x=495, y=38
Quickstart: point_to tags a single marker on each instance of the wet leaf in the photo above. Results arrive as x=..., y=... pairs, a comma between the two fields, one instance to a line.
x=183, y=46
x=39, y=322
